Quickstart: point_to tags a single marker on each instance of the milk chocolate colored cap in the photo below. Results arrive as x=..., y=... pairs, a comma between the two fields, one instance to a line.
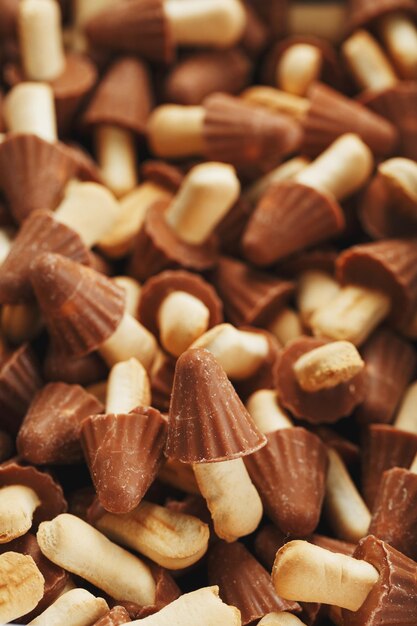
x=81, y=307
x=393, y=599
x=8, y=10
x=124, y=453
x=50, y=432
x=123, y=97
x=383, y=448
x=83, y=370
x=290, y=476
x=394, y=518
x=362, y=12
x=207, y=420
x=118, y=615
x=162, y=174
x=273, y=231
x=318, y=407
x=332, y=114
x=39, y=233
x=249, y=296
x=33, y=174
x=230, y=229
x=139, y=26
x=244, y=583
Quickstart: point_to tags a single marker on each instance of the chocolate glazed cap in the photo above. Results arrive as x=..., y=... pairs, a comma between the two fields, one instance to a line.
x=207, y=420
x=362, y=12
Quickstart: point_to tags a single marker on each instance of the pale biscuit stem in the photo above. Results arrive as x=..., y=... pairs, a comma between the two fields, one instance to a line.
x=284, y=171
x=314, y=290
x=299, y=66
x=346, y=511
x=277, y=100
x=21, y=586
x=77, y=607
x=399, y=34
x=234, y=503
x=132, y=290
x=176, y=131
x=352, y=315
x=217, y=23
x=400, y=175
x=341, y=169
x=266, y=412
x=198, y=607
x=182, y=318
x=86, y=9
x=171, y=539
x=406, y=418
x=327, y=366
x=17, y=506
x=79, y=548
x=116, y=154
x=30, y=108
x=368, y=62
x=21, y=322
x=321, y=19
x=308, y=573
x=179, y=475
x=40, y=38
x=7, y=235
x=240, y=353
x=280, y=619
x=286, y=326
x=130, y=339
x=207, y=193
x=127, y=387
x=413, y=466
x=90, y=209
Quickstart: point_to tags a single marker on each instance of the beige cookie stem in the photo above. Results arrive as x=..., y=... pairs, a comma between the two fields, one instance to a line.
x=299, y=66
x=406, y=418
x=280, y=619
x=286, y=326
x=132, y=290
x=284, y=171
x=400, y=176
x=21, y=586
x=179, y=475
x=77, y=607
x=17, y=506
x=130, y=339
x=96, y=559
x=234, y=503
x=314, y=290
x=40, y=38
x=182, y=318
x=116, y=155
x=399, y=34
x=30, y=108
x=368, y=63
x=321, y=19
x=176, y=131
x=266, y=412
x=277, y=100
x=308, y=573
x=127, y=387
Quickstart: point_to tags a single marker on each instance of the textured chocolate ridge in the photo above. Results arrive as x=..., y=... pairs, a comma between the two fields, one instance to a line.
x=86, y=168
x=158, y=248
x=383, y=448
x=332, y=114
x=40, y=232
x=273, y=231
x=162, y=174
x=244, y=583
x=334, y=545
x=50, y=432
x=362, y=12
x=390, y=367
x=268, y=541
x=84, y=370
x=207, y=420
x=319, y=407
x=249, y=296
x=118, y=615
x=394, y=518
x=33, y=174
x=290, y=476
x=81, y=307
x=139, y=27
x=389, y=266
x=231, y=228
x=49, y=492
x=393, y=599
x=157, y=288
x=123, y=97
x=124, y=453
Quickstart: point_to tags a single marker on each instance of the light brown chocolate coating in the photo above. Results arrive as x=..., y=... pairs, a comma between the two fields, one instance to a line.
x=364, y=12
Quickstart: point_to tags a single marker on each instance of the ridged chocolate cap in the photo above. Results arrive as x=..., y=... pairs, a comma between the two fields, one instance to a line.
x=251, y=138
x=50, y=432
x=207, y=420
x=244, y=583
x=124, y=453
x=389, y=266
x=230, y=229
x=318, y=407
x=118, y=615
x=49, y=492
x=268, y=541
x=383, y=448
x=123, y=97
x=39, y=233
x=334, y=545
x=162, y=174
x=390, y=367
x=19, y=381
x=362, y=12
x=332, y=114
x=346, y=449
x=9, y=10
x=81, y=307
x=84, y=370
x=249, y=296
x=55, y=577
x=157, y=288
x=157, y=248
x=33, y=174
x=290, y=476
x=203, y=73
x=273, y=231
x=393, y=598
x=394, y=518
x=139, y=26
x=86, y=168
